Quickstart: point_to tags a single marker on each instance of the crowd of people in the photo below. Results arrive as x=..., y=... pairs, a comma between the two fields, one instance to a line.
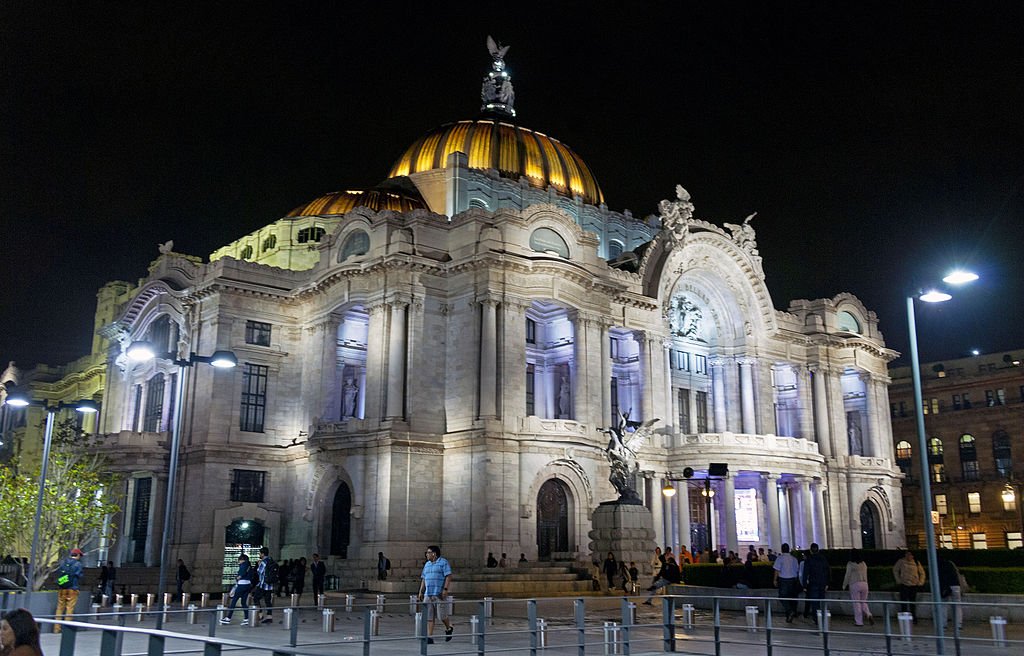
x=262, y=580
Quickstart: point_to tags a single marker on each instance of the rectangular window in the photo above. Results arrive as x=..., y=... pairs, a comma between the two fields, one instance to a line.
x=137, y=416
x=956, y=401
x=938, y=472
x=974, y=502
x=970, y=468
x=967, y=401
x=1010, y=505
x=893, y=411
x=254, y=397
x=908, y=506
x=935, y=406
x=684, y=411
x=531, y=333
x=154, y=403
x=1013, y=540
x=978, y=541
x=247, y=485
x=990, y=398
x=701, y=409
x=924, y=406
x=684, y=360
x=257, y=332
x=940, y=503
x=1000, y=397
x=615, y=399
x=903, y=408
x=945, y=541
x=700, y=364
x=529, y=390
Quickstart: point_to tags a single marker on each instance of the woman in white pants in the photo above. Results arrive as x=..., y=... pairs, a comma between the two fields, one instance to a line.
x=857, y=580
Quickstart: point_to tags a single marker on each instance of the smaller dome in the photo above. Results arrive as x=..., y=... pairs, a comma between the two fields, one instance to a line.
x=377, y=199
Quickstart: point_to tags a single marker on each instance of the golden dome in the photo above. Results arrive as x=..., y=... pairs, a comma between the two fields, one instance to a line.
x=376, y=199
x=513, y=151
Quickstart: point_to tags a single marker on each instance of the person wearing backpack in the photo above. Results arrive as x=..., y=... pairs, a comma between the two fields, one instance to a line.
x=263, y=596
x=182, y=576
x=69, y=573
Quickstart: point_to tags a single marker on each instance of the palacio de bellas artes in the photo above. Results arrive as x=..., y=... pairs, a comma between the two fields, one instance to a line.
x=432, y=360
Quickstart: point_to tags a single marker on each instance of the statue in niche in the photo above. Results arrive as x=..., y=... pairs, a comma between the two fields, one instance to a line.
x=676, y=216
x=349, y=392
x=563, y=399
x=854, y=433
x=744, y=234
x=684, y=318
x=625, y=439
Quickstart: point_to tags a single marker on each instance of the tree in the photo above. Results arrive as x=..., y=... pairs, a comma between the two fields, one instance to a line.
x=77, y=501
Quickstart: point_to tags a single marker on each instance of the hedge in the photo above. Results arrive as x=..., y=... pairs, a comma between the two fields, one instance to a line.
x=988, y=580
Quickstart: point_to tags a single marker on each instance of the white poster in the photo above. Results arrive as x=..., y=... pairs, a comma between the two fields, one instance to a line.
x=746, y=515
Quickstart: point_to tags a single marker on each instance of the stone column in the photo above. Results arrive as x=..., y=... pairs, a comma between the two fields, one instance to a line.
x=806, y=532
x=771, y=497
x=488, y=358
x=747, y=395
x=606, y=377
x=805, y=416
x=667, y=515
x=683, y=512
x=870, y=410
x=670, y=401
x=655, y=503
x=396, y=362
x=820, y=530
x=718, y=392
x=376, y=372
x=729, y=510
x=821, y=418
x=785, y=514
x=646, y=377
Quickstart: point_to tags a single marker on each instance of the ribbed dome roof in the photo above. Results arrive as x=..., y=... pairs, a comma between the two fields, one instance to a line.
x=376, y=199
x=513, y=151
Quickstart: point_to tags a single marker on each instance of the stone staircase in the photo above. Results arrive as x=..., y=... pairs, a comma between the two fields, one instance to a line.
x=537, y=579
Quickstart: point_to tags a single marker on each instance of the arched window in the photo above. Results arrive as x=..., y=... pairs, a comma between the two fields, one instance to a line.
x=357, y=243
x=848, y=322
x=269, y=243
x=305, y=235
x=936, y=461
x=543, y=240
x=246, y=252
x=968, y=457
x=1001, y=453
x=614, y=249
x=903, y=454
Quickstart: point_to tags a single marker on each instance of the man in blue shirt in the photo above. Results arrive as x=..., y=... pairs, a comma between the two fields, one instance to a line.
x=434, y=582
x=69, y=573
x=787, y=571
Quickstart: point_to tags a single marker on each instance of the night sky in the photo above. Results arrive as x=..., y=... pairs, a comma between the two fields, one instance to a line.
x=877, y=144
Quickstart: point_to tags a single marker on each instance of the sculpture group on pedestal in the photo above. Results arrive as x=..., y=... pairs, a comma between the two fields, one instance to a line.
x=626, y=438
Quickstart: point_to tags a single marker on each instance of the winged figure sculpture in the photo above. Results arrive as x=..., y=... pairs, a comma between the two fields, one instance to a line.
x=625, y=439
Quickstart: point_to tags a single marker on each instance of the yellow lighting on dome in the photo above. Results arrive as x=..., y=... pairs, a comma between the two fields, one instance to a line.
x=556, y=174
x=508, y=151
x=456, y=140
x=575, y=181
x=425, y=161
x=533, y=160
x=480, y=146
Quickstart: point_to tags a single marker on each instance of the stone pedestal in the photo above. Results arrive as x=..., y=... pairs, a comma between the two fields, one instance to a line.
x=626, y=530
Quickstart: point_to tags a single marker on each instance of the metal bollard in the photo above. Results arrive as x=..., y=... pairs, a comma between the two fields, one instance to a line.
x=329, y=620
x=542, y=633
x=413, y=599
x=221, y=611
x=117, y=609
x=349, y=598
x=687, y=616
x=449, y=605
x=611, y=637
x=134, y=600
x=254, y=616
x=998, y=624
x=289, y=617
x=204, y=600
x=295, y=599
x=321, y=600
x=474, y=628
x=139, y=615
x=95, y=612
x=752, y=612
x=225, y=599
x=906, y=621
x=117, y=599
x=150, y=600
x=632, y=613
x=417, y=619
x=191, y=613
x=167, y=599
x=489, y=610
x=374, y=622
x=380, y=603
x=824, y=622
x=104, y=600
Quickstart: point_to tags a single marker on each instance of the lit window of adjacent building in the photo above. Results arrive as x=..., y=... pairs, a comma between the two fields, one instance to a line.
x=990, y=398
x=945, y=541
x=257, y=332
x=247, y=485
x=940, y=504
x=1009, y=505
x=974, y=502
x=903, y=455
x=154, y=403
x=1001, y=453
x=938, y=473
x=968, y=458
x=1000, y=397
x=254, y=397
x=935, y=406
x=1013, y=540
x=978, y=541
x=310, y=234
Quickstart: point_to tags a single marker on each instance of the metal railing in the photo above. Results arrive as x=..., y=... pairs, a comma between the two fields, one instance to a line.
x=694, y=624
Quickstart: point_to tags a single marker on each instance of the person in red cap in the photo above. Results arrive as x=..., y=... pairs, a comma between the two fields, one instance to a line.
x=69, y=573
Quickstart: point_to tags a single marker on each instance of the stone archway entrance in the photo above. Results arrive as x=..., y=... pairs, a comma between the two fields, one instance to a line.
x=552, y=519
x=341, y=521
x=868, y=525
x=242, y=536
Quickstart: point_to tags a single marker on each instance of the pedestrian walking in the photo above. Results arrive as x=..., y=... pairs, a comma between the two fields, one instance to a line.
x=435, y=582
x=856, y=580
x=787, y=571
x=815, y=579
x=182, y=576
x=269, y=573
x=909, y=577
x=19, y=634
x=241, y=589
x=611, y=568
x=383, y=565
x=298, y=575
x=952, y=585
x=319, y=571
x=69, y=574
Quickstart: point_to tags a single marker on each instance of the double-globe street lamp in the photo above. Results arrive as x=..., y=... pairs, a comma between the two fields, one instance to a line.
x=932, y=295
x=141, y=351
x=715, y=470
x=19, y=399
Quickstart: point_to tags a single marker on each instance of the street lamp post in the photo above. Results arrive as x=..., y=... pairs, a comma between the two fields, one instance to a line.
x=708, y=495
x=929, y=296
x=140, y=351
x=20, y=400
